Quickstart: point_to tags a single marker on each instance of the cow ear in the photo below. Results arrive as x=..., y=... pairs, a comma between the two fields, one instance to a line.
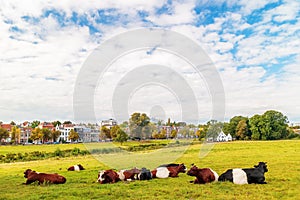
x=255, y=166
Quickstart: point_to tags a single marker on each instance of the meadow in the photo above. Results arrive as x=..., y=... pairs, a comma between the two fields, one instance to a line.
x=282, y=157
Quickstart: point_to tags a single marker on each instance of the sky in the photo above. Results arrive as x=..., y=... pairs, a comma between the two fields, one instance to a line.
x=254, y=46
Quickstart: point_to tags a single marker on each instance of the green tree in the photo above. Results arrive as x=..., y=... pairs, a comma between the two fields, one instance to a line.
x=231, y=127
x=55, y=135
x=255, y=123
x=55, y=123
x=114, y=131
x=121, y=136
x=12, y=123
x=184, y=131
x=137, y=123
x=3, y=134
x=275, y=125
x=35, y=123
x=67, y=122
x=15, y=135
x=73, y=135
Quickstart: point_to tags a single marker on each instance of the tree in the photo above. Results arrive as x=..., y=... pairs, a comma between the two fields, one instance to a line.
x=114, y=131
x=255, y=123
x=231, y=127
x=54, y=135
x=46, y=134
x=173, y=133
x=275, y=125
x=36, y=134
x=73, y=136
x=121, y=136
x=67, y=122
x=137, y=122
x=35, y=123
x=163, y=134
x=242, y=130
x=214, y=128
x=200, y=133
x=12, y=123
x=55, y=123
x=15, y=135
x=105, y=132
x=272, y=125
x=3, y=133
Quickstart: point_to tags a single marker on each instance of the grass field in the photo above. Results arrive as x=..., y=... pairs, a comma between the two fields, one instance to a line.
x=283, y=178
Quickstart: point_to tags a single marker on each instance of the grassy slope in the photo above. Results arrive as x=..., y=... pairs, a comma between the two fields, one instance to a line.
x=283, y=178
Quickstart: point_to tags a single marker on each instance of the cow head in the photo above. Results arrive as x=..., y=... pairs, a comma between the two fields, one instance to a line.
x=27, y=172
x=81, y=167
x=181, y=168
x=262, y=166
x=101, y=176
x=193, y=171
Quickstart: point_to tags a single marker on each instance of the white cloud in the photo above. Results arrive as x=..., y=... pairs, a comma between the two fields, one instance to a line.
x=40, y=63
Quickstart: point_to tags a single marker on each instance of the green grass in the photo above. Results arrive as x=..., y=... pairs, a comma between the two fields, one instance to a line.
x=283, y=178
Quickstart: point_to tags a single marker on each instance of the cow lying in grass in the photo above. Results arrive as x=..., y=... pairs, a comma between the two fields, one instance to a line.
x=76, y=168
x=145, y=174
x=129, y=175
x=204, y=175
x=168, y=170
x=33, y=176
x=108, y=176
x=246, y=176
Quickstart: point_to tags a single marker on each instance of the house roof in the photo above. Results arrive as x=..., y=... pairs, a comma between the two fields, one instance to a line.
x=6, y=126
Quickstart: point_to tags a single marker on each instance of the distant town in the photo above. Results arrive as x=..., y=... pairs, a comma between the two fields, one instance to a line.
x=271, y=125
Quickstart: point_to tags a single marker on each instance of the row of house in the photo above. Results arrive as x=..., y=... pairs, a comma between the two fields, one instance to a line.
x=86, y=133
x=90, y=133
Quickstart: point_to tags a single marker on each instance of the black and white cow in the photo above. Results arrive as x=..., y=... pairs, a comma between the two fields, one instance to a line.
x=246, y=176
x=145, y=174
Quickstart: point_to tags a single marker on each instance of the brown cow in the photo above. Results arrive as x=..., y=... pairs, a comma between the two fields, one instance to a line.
x=204, y=175
x=108, y=176
x=129, y=175
x=168, y=170
x=33, y=176
x=76, y=168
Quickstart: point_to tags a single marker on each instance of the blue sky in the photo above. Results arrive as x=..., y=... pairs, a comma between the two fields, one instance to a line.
x=254, y=45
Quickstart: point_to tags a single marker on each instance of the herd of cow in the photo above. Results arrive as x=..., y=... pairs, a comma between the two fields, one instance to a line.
x=203, y=175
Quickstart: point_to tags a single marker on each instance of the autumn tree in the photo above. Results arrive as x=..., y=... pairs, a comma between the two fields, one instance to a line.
x=55, y=135
x=46, y=134
x=242, y=130
x=105, y=132
x=231, y=127
x=3, y=134
x=15, y=135
x=173, y=133
x=36, y=135
x=73, y=135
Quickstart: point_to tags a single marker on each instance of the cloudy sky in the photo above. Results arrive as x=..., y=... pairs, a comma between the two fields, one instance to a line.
x=254, y=45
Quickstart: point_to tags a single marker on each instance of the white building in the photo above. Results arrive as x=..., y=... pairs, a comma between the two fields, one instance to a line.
x=224, y=138
x=108, y=123
x=64, y=132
